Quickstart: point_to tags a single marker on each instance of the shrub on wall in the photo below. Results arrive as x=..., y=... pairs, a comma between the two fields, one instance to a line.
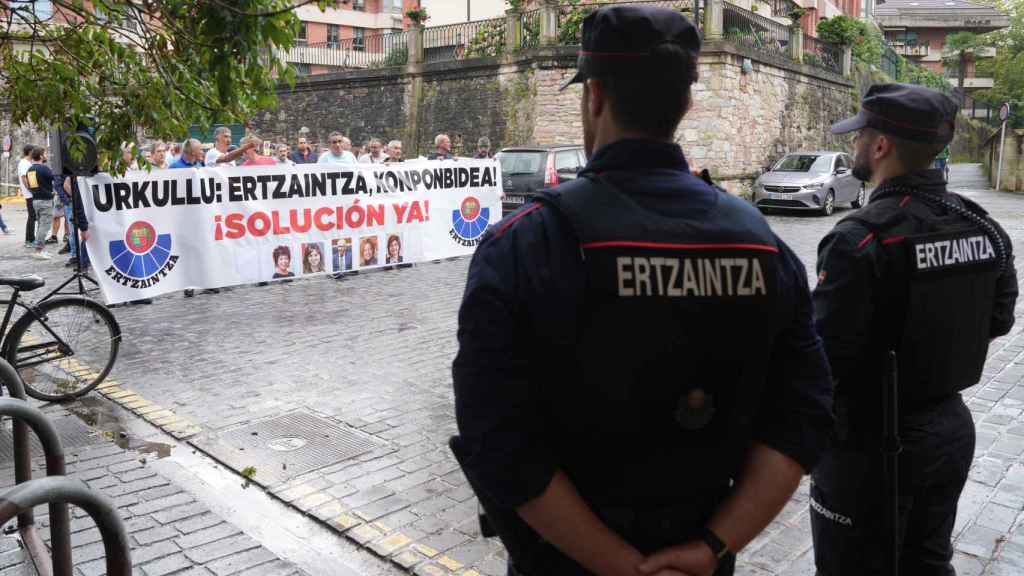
x=489, y=40
x=865, y=40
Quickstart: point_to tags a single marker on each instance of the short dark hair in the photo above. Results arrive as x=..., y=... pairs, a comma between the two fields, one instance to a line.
x=913, y=155
x=27, y=149
x=282, y=251
x=653, y=103
x=37, y=153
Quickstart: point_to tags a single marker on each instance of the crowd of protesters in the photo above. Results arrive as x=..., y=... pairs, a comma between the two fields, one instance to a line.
x=48, y=195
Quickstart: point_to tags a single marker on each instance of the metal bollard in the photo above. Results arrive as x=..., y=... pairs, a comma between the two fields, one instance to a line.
x=60, y=520
x=70, y=491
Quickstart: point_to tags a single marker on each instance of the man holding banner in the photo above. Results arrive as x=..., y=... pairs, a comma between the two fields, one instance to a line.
x=607, y=422
x=207, y=228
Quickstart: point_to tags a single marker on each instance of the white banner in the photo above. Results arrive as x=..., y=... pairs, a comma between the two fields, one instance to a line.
x=166, y=230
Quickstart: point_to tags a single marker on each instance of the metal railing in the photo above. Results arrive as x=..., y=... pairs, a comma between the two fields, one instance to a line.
x=762, y=34
x=890, y=62
x=530, y=24
x=572, y=13
x=781, y=8
x=458, y=41
x=56, y=490
x=824, y=55
x=63, y=491
x=372, y=51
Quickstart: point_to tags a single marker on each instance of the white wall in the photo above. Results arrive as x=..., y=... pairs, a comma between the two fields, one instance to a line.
x=451, y=11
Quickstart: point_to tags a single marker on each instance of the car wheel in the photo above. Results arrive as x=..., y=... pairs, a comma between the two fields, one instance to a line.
x=860, y=197
x=828, y=206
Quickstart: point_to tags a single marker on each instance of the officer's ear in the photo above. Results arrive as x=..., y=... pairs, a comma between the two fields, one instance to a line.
x=883, y=147
x=596, y=96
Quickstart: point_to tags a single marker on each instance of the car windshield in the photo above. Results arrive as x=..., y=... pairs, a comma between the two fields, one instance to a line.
x=804, y=163
x=520, y=162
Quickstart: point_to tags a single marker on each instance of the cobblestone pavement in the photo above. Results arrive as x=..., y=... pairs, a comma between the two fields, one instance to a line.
x=170, y=531
x=261, y=376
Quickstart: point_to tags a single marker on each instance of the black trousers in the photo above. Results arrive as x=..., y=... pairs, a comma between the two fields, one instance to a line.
x=30, y=227
x=846, y=497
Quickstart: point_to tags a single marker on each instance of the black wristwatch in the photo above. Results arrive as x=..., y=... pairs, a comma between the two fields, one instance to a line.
x=718, y=548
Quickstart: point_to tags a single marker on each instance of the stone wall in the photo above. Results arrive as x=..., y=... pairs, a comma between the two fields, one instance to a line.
x=739, y=123
x=360, y=105
x=481, y=98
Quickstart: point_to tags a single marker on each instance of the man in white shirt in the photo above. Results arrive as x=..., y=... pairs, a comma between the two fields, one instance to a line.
x=219, y=153
x=338, y=152
x=23, y=165
x=375, y=153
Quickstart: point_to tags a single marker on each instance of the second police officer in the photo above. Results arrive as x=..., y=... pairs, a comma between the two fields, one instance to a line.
x=639, y=387
x=925, y=273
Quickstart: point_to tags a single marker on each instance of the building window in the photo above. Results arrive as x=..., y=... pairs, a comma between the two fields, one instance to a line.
x=43, y=9
x=300, y=69
x=303, y=36
x=359, y=5
x=332, y=35
x=393, y=6
x=359, y=39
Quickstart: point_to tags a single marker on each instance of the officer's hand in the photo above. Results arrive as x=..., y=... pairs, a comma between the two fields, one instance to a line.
x=692, y=559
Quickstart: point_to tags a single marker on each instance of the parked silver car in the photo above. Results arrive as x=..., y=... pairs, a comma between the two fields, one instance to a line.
x=809, y=181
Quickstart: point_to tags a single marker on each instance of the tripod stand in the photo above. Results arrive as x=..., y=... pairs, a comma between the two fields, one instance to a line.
x=79, y=276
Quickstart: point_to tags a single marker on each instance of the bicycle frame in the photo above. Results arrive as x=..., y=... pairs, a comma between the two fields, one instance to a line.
x=29, y=309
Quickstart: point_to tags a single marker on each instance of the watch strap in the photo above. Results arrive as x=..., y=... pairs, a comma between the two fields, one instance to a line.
x=718, y=548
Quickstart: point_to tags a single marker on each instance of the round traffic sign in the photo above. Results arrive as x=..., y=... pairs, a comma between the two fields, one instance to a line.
x=1004, y=112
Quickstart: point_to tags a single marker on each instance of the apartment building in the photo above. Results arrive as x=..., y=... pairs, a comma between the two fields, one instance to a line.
x=349, y=34
x=917, y=30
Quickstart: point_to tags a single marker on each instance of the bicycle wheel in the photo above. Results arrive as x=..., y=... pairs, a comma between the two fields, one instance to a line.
x=69, y=352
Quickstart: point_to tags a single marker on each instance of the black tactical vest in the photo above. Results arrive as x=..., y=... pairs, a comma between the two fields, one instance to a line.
x=934, y=304
x=675, y=332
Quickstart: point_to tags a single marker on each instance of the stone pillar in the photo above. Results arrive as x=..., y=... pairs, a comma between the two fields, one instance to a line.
x=796, y=42
x=513, y=30
x=713, y=26
x=847, y=62
x=415, y=39
x=549, y=23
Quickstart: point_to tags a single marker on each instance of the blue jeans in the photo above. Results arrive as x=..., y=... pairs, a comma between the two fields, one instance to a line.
x=69, y=219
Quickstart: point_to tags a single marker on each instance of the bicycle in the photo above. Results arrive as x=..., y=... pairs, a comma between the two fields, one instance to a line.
x=62, y=346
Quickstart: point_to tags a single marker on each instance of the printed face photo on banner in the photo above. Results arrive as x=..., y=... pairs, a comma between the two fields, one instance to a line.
x=393, y=255
x=282, y=259
x=341, y=250
x=368, y=251
x=313, y=258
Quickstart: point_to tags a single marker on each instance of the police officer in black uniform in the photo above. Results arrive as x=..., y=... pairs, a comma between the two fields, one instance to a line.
x=639, y=387
x=925, y=273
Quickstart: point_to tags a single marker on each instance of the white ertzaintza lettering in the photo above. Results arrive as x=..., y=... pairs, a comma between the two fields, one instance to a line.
x=689, y=277
x=944, y=253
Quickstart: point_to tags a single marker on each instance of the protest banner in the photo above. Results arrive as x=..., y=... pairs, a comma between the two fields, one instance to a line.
x=157, y=232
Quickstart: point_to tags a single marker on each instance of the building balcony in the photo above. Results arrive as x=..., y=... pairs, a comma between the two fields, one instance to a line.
x=973, y=83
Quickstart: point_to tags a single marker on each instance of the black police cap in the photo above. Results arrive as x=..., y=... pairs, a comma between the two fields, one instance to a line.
x=623, y=37
x=906, y=111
